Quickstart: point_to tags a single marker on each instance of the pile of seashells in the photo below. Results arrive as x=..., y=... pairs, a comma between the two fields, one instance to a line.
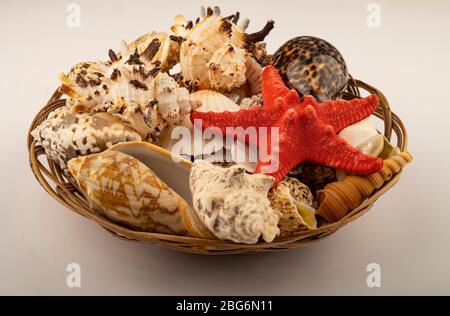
x=135, y=98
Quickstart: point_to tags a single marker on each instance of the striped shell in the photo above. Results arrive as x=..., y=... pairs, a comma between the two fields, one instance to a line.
x=338, y=198
x=127, y=192
x=132, y=86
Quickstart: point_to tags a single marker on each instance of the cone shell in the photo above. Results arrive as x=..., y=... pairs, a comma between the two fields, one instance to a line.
x=127, y=192
x=295, y=202
x=339, y=198
x=66, y=134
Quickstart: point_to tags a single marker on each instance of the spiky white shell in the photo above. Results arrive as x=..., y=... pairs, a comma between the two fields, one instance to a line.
x=214, y=51
x=133, y=88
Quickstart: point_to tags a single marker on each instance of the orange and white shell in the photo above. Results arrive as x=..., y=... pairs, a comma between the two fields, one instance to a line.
x=128, y=193
x=132, y=86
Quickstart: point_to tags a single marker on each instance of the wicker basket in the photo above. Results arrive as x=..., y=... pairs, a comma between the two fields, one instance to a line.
x=51, y=177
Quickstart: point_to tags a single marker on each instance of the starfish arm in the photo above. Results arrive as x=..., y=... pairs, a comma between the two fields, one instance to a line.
x=283, y=154
x=274, y=87
x=242, y=118
x=326, y=148
x=342, y=113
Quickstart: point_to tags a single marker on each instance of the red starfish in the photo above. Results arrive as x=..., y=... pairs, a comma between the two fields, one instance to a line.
x=307, y=129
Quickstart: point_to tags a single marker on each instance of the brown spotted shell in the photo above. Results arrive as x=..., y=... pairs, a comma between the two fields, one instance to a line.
x=312, y=66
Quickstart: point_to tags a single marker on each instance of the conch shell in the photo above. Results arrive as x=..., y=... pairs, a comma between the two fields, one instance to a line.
x=215, y=50
x=233, y=204
x=296, y=203
x=65, y=134
x=338, y=198
x=132, y=87
x=128, y=193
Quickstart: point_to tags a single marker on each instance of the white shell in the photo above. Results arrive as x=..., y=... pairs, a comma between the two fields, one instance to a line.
x=360, y=133
x=215, y=49
x=129, y=193
x=65, y=135
x=232, y=203
x=211, y=101
x=133, y=88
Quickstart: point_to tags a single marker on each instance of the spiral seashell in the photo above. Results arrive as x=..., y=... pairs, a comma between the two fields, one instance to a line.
x=129, y=193
x=295, y=202
x=132, y=87
x=232, y=203
x=339, y=198
x=215, y=50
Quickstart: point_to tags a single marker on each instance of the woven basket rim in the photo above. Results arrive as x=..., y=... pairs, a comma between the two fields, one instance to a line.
x=66, y=192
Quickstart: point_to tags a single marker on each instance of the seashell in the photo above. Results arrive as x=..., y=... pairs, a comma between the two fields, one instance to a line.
x=128, y=193
x=247, y=103
x=215, y=50
x=132, y=87
x=168, y=54
x=123, y=189
x=173, y=171
x=296, y=203
x=210, y=101
x=364, y=136
x=232, y=203
x=254, y=75
x=312, y=66
x=65, y=134
x=339, y=198
x=213, y=101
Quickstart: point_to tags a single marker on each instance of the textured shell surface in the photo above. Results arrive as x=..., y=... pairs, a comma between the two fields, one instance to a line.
x=127, y=192
x=66, y=134
x=168, y=53
x=296, y=203
x=232, y=203
x=132, y=87
x=312, y=66
x=215, y=50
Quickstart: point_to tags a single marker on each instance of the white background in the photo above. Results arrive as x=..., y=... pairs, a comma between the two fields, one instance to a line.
x=407, y=232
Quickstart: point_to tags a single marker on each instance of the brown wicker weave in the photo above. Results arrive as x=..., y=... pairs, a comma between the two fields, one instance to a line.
x=51, y=177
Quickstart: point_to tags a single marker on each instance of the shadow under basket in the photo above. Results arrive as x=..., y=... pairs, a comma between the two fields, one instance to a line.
x=54, y=181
